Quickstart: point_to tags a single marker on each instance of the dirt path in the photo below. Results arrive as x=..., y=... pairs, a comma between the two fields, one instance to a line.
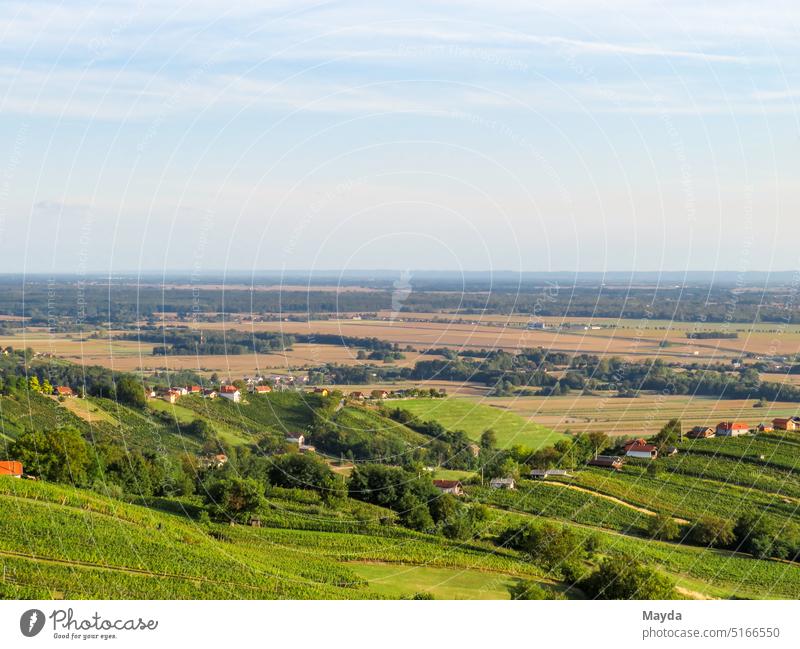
x=612, y=499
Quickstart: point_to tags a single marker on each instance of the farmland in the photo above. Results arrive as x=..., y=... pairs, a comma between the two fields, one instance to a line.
x=303, y=493
x=474, y=418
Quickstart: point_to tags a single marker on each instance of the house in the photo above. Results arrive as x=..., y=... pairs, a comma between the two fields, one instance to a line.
x=788, y=423
x=149, y=393
x=503, y=483
x=613, y=462
x=641, y=449
x=359, y=396
x=307, y=448
x=765, y=428
x=209, y=394
x=700, y=432
x=182, y=391
x=298, y=441
x=11, y=468
x=194, y=389
x=255, y=521
x=262, y=389
x=379, y=394
x=230, y=392
x=64, y=391
x=732, y=429
x=323, y=391
x=172, y=395
x=670, y=451
x=543, y=474
x=453, y=487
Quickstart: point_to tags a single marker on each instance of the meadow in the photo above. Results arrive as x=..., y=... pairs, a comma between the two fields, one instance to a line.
x=474, y=418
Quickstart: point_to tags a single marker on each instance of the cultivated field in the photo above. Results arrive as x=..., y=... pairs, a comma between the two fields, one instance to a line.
x=645, y=414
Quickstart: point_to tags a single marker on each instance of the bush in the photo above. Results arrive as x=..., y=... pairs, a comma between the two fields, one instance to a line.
x=663, y=528
x=526, y=589
x=623, y=577
x=712, y=531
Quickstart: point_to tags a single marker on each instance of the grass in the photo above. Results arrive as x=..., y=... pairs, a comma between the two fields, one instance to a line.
x=397, y=581
x=474, y=418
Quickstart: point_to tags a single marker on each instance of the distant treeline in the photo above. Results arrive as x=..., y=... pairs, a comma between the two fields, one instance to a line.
x=190, y=341
x=711, y=335
x=99, y=304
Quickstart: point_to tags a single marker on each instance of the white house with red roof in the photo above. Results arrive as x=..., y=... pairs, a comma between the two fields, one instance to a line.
x=230, y=392
x=732, y=429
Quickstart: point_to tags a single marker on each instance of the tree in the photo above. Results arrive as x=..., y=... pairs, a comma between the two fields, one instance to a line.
x=623, y=577
x=33, y=384
x=201, y=429
x=305, y=471
x=47, y=387
x=712, y=531
x=130, y=392
x=488, y=439
x=670, y=434
x=530, y=590
x=663, y=528
x=234, y=498
x=556, y=548
x=598, y=441
x=58, y=455
x=755, y=535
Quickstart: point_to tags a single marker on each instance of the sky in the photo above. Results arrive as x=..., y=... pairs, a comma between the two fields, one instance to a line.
x=455, y=135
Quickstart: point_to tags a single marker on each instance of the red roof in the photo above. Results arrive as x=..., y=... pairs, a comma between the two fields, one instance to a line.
x=733, y=425
x=641, y=448
x=228, y=389
x=11, y=467
x=64, y=390
x=195, y=388
x=446, y=484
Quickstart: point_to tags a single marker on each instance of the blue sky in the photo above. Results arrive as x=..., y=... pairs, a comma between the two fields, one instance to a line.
x=450, y=135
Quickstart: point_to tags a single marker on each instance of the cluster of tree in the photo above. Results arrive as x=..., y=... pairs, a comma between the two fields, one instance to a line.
x=417, y=502
x=711, y=335
x=63, y=455
x=17, y=374
x=186, y=341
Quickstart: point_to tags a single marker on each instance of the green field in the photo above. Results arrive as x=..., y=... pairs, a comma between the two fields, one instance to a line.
x=397, y=581
x=474, y=418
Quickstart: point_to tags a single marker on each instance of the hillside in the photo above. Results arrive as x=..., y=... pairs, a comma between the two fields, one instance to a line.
x=63, y=542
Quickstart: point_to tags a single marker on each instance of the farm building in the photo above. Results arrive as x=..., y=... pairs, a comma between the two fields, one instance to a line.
x=379, y=394
x=607, y=462
x=11, y=468
x=732, y=429
x=641, y=449
x=359, y=396
x=787, y=423
x=64, y=391
x=230, y=392
x=503, y=483
x=453, y=487
x=700, y=432
x=543, y=474
x=261, y=389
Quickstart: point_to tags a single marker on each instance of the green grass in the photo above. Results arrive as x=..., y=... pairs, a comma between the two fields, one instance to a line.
x=474, y=418
x=397, y=581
